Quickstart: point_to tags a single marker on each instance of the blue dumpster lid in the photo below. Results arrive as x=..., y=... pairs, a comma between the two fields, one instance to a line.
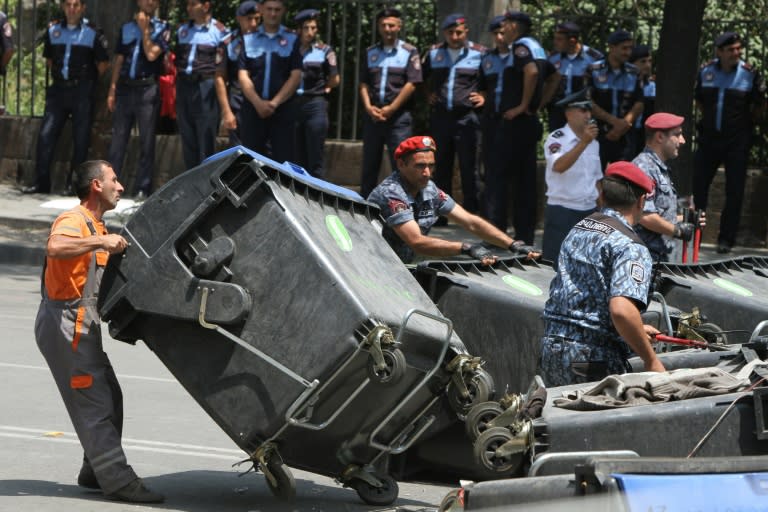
x=294, y=171
x=726, y=491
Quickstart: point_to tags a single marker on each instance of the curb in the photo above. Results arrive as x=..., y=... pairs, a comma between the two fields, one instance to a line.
x=19, y=254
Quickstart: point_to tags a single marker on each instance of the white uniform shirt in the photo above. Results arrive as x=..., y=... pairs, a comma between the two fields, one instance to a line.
x=575, y=188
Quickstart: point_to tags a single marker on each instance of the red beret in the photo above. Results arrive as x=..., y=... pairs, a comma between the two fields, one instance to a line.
x=631, y=173
x=415, y=145
x=663, y=121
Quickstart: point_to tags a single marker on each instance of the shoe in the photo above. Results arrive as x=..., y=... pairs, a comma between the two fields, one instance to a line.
x=723, y=248
x=136, y=492
x=35, y=189
x=87, y=479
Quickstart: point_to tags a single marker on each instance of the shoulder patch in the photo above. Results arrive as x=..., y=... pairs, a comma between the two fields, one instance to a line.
x=442, y=196
x=558, y=133
x=397, y=206
x=637, y=272
x=554, y=148
x=522, y=51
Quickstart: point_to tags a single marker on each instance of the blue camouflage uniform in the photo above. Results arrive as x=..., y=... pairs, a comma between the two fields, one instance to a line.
x=385, y=72
x=398, y=207
x=200, y=55
x=663, y=202
x=318, y=66
x=74, y=54
x=616, y=92
x=454, y=121
x=269, y=62
x=572, y=71
x=234, y=91
x=600, y=258
x=727, y=101
x=137, y=99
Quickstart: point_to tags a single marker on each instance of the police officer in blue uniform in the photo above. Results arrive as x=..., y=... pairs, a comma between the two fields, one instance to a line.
x=389, y=73
x=134, y=95
x=641, y=58
x=411, y=203
x=320, y=74
x=592, y=318
x=270, y=73
x=730, y=94
x=525, y=76
x=201, y=90
x=6, y=43
x=451, y=71
x=617, y=96
x=76, y=53
x=248, y=19
x=571, y=58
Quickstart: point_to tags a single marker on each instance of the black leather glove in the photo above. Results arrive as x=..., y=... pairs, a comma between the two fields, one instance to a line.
x=519, y=247
x=476, y=251
x=684, y=231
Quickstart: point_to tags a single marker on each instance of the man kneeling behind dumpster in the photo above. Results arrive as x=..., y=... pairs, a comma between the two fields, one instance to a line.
x=592, y=316
x=411, y=203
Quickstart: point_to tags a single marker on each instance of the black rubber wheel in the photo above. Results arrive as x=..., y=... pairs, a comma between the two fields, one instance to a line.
x=285, y=489
x=372, y=495
x=480, y=387
x=478, y=417
x=712, y=333
x=485, y=448
x=394, y=371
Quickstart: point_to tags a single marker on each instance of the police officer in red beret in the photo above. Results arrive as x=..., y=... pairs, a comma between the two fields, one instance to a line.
x=411, y=203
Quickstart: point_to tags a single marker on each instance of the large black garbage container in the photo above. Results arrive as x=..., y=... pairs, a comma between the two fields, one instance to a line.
x=275, y=302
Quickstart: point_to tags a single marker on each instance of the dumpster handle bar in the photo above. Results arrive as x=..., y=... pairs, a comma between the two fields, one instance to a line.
x=543, y=459
x=250, y=348
x=758, y=329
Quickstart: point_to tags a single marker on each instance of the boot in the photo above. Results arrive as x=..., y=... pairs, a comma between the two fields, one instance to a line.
x=136, y=492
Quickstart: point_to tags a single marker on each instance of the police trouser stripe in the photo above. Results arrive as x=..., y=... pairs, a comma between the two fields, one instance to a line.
x=114, y=456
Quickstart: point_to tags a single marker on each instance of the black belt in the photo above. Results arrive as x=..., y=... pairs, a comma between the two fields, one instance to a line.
x=70, y=83
x=194, y=77
x=137, y=82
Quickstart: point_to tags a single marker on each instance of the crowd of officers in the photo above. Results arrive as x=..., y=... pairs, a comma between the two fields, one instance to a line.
x=268, y=85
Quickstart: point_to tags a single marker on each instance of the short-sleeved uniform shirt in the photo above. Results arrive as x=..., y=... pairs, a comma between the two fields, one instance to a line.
x=452, y=81
x=136, y=66
x=386, y=71
x=572, y=69
x=727, y=98
x=597, y=262
x=270, y=60
x=614, y=90
x=524, y=51
x=319, y=64
x=398, y=207
x=65, y=277
x=202, y=49
x=663, y=201
x=492, y=69
x=575, y=188
x=74, y=52
x=6, y=37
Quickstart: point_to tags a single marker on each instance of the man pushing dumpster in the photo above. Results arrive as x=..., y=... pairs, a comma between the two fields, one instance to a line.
x=411, y=203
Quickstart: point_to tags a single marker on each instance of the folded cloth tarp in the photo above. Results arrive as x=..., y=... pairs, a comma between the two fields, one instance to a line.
x=633, y=389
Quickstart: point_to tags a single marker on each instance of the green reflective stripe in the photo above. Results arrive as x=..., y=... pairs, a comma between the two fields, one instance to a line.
x=338, y=232
x=522, y=285
x=732, y=287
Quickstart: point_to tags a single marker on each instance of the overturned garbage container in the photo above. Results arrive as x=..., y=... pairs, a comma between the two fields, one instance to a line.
x=275, y=302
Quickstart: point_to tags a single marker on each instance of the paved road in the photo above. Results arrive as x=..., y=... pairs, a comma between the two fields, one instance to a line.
x=169, y=439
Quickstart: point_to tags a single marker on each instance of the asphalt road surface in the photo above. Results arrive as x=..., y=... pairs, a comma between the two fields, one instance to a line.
x=169, y=440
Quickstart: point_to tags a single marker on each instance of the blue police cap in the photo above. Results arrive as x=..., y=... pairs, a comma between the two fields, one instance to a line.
x=452, y=20
x=495, y=23
x=519, y=17
x=389, y=12
x=306, y=14
x=640, y=51
x=568, y=28
x=247, y=7
x=726, y=39
x=578, y=99
x=619, y=36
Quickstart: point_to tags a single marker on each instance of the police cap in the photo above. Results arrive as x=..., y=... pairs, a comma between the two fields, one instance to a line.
x=519, y=17
x=619, y=37
x=628, y=171
x=663, y=121
x=389, y=12
x=640, y=51
x=306, y=14
x=496, y=22
x=568, y=28
x=452, y=20
x=579, y=99
x=247, y=7
x=726, y=39
x=415, y=144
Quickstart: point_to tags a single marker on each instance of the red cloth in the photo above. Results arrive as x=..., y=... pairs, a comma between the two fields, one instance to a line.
x=167, y=84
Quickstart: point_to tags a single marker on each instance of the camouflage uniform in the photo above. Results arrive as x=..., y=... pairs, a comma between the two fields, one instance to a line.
x=597, y=261
x=663, y=202
x=399, y=207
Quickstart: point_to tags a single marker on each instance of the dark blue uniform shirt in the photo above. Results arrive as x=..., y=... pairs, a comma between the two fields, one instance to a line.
x=129, y=45
x=201, y=50
x=318, y=65
x=74, y=52
x=572, y=70
x=524, y=51
x=727, y=98
x=453, y=81
x=492, y=68
x=270, y=60
x=615, y=91
x=387, y=72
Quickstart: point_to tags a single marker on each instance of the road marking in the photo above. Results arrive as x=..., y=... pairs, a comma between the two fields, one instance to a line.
x=129, y=444
x=119, y=376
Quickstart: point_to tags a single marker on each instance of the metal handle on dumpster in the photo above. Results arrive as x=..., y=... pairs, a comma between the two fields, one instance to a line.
x=545, y=458
x=404, y=444
x=664, y=311
x=758, y=329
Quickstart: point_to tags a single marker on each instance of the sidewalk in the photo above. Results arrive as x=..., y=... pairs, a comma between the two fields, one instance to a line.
x=26, y=219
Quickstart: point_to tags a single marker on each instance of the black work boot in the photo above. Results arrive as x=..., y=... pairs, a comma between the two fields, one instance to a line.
x=136, y=492
x=86, y=478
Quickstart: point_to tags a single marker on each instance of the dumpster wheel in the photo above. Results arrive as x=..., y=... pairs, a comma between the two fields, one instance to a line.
x=479, y=388
x=479, y=416
x=280, y=480
x=392, y=370
x=485, y=450
x=373, y=495
x=712, y=333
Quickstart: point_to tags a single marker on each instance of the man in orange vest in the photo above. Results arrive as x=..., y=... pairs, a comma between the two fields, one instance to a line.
x=68, y=333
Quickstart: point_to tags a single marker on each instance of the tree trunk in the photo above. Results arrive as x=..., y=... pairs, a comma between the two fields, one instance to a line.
x=676, y=67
